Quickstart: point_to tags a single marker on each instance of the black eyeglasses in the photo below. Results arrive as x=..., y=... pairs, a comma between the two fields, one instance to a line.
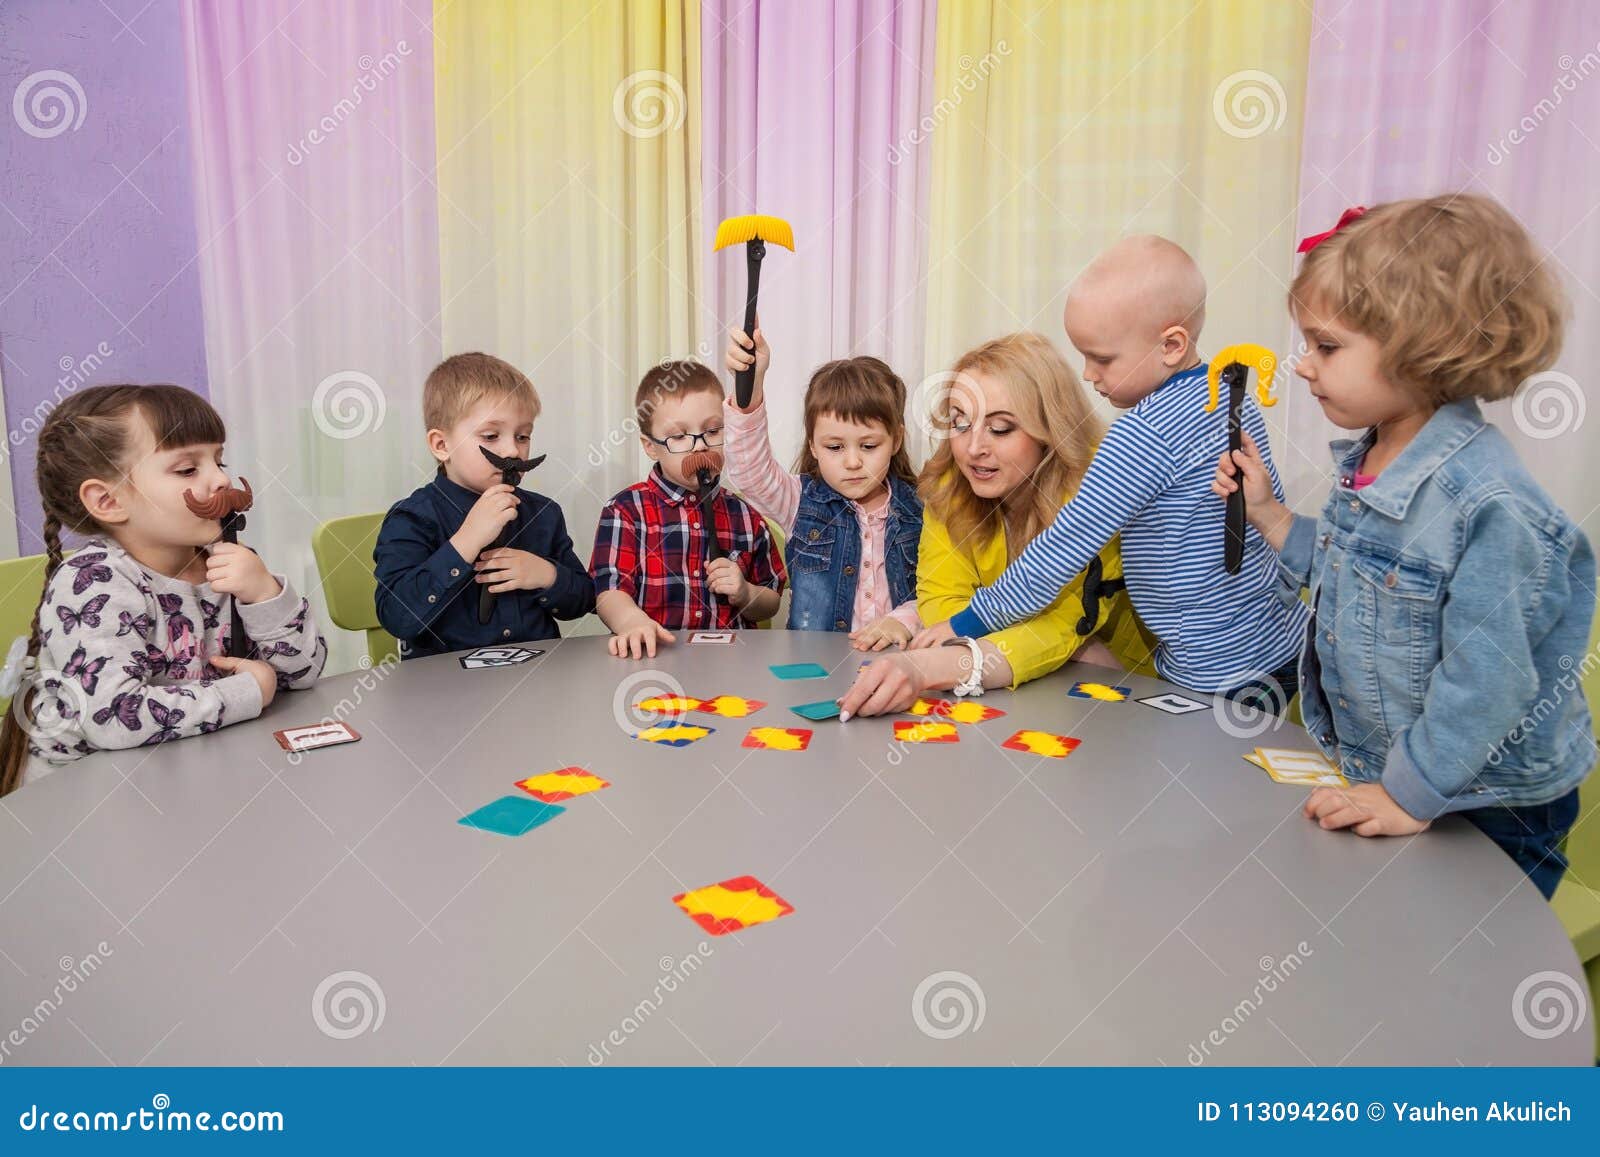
x=683, y=443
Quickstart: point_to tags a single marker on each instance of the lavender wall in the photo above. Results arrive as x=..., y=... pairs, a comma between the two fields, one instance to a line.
x=98, y=278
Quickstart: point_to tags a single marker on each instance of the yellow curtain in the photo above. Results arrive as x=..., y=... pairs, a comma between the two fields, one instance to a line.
x=568, y=138
x=1058, y=127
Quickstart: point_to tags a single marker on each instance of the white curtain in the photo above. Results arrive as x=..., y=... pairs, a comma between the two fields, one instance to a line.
x=314, y=157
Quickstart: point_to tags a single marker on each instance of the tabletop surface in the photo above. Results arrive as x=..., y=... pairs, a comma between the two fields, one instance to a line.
x=1150, y=899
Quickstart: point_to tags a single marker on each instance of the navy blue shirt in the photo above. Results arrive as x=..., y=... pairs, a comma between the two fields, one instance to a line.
x=427, y=593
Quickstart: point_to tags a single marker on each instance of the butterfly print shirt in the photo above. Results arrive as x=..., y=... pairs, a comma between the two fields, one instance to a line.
x=125, y=657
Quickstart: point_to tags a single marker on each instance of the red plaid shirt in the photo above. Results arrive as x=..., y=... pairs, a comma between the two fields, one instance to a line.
x=652, y=544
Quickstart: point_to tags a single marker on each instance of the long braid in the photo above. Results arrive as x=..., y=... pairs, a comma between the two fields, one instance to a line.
x=87, y=436
x=13, y=735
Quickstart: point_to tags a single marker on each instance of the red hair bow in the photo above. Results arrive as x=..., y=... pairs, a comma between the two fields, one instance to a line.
x=1309, y=243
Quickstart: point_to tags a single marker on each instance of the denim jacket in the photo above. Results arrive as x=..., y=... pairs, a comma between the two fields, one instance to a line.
x=1451, y=605
x=824, y=551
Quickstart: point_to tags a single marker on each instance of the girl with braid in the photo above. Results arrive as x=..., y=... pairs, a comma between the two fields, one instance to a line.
x=130, y=642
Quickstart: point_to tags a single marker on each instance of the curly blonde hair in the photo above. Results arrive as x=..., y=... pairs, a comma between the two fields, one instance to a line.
x=1452, y=288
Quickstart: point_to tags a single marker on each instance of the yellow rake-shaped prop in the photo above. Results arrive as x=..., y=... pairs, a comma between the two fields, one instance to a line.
x=1255, y=357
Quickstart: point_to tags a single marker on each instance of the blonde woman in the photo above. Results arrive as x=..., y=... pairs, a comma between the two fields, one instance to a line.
x=1017, y=432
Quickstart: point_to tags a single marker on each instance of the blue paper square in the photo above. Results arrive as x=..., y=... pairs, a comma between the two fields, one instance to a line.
x=800, y=671
x=512, y=815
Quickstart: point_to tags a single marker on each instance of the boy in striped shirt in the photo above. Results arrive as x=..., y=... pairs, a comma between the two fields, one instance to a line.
x=1135, y=315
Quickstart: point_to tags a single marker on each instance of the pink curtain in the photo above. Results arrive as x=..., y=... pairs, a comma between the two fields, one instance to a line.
x=809, y=111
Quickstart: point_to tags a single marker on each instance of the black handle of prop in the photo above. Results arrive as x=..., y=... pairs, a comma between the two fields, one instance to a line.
x=485, y=596
x=238, y=641
x=1235, y=376
x=744, y=381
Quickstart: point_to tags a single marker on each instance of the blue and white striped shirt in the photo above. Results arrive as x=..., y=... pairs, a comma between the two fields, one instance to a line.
x=1151, y=480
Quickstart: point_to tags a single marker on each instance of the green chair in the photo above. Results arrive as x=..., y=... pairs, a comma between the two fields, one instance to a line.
x=21, y=583
x=343, y=550
x=775, y=532
x=1577, y=900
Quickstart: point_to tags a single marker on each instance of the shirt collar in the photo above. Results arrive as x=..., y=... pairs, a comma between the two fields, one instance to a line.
x=457, y=495
x=1451, y=427
x=675, y=495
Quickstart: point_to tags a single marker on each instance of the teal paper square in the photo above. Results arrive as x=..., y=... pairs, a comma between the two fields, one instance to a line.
x=511, y=815
x=819, y=711
x=800, y=671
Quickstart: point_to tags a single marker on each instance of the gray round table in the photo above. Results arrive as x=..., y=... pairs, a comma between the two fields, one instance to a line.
x=1151, y=899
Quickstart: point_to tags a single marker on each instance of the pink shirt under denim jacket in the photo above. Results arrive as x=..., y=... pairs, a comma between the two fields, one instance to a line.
x=754, y=472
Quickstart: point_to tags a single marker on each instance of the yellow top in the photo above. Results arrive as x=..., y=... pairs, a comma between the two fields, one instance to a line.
x=947, y=576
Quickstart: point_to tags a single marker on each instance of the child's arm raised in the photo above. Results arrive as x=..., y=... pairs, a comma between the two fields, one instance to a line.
x=752, y=469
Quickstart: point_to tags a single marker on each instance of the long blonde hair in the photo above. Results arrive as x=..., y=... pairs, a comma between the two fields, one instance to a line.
x=1051, y=407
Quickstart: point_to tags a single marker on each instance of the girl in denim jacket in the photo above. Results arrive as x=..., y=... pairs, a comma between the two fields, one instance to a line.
x=1452, y=598
x=849, y=510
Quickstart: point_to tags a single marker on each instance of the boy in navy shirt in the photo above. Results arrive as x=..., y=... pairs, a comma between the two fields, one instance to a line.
x=466, y=529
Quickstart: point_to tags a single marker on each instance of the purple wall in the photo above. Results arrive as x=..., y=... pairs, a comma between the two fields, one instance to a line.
x=98, y=279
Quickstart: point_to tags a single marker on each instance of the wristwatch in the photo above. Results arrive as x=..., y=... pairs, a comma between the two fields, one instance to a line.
x=973, y=683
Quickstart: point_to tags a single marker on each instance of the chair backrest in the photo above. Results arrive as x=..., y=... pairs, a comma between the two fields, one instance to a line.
x=775, y=532
x=21, y=583
x=343, y=550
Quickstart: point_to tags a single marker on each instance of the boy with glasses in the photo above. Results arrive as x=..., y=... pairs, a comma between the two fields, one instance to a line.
x=677, y=551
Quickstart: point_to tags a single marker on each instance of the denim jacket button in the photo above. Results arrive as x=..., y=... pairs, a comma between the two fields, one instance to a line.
x=813, y=535
x=1389, y=579
x=433, y=598
x=1355, y=506
x=1327, y=739
x=849, y=570
x=839, y=624
x=1342, y=703
x=455, y=572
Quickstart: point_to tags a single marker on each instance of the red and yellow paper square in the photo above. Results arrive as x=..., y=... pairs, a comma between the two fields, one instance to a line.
x=959, y=711
x=925, y=732
x=731, y=706
x=778, y=739
x=667, y=704
x=732, y=905
x=563, y=783
x=1042, y=743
